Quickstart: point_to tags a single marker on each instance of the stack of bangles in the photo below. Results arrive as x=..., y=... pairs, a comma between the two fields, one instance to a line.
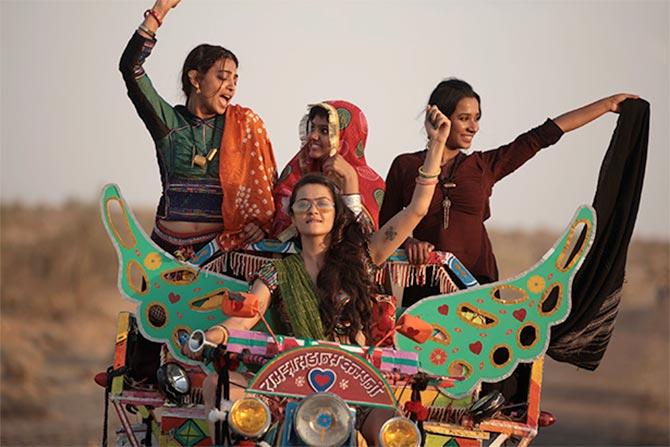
x=426, y=178
x=157, y=17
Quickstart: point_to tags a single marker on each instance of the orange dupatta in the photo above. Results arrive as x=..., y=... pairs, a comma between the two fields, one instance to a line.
x=247, y=171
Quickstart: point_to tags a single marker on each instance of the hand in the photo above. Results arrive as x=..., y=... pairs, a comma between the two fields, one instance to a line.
x=253, y=233
x=614, y=101
x=164, y=6
x=437, y=125
x=418, y=251
x=342, y=172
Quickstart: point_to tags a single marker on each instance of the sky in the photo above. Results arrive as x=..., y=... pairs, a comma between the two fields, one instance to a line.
x=67, y=126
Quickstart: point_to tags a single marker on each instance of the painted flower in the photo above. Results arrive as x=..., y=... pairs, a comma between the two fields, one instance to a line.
x=153, y=261
x=536, y=284
x=438, y=356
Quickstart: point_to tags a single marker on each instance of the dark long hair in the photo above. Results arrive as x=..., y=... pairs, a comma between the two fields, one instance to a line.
x=345, y=271
x=201, y=58
x=449, y=92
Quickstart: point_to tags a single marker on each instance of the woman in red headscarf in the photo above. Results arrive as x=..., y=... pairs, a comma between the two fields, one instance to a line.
x=333, y=135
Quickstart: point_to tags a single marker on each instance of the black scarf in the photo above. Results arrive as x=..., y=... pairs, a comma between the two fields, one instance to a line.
x=596, y=290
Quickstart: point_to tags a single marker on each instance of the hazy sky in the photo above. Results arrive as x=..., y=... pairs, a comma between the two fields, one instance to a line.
x=68, y=127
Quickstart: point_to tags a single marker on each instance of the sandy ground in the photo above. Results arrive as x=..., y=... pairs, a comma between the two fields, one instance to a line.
x=59, y=307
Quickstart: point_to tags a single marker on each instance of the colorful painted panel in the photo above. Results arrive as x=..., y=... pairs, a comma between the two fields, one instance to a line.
x=184, y=432
x=481, y=334
x=174, y=298
x=320, y=369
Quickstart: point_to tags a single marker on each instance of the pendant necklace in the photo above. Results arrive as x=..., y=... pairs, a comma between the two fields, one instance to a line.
x=446, y=183
x=198, y=159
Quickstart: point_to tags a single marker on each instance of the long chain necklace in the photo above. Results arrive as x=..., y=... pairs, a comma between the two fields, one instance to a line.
x=446, y=184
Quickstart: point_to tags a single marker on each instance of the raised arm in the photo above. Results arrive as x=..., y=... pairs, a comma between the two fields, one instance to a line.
x=385, y=241
x=577, y=118
x=155, y=18
x=156, y=113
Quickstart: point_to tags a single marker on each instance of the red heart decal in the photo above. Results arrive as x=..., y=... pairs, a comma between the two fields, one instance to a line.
x=321, y=380
x=173, y=297
x=519, y=314
x=476, y=347
x=443, y=309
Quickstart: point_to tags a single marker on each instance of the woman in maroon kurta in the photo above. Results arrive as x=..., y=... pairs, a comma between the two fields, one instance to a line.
x=467, y=180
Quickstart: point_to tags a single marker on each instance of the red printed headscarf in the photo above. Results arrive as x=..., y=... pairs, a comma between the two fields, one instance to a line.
x=348, y=130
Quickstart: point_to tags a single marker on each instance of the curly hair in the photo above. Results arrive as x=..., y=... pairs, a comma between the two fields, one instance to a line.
x=344, y=283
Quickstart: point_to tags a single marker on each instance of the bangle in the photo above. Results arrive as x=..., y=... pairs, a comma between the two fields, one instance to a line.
x=147, y=31
x=425, y=174
x=154, y=14
x=426, y=181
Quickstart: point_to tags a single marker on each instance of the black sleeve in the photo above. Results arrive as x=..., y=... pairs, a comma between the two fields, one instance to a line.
x=151, y=108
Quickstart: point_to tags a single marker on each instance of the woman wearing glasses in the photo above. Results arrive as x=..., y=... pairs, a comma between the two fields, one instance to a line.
x=324, y=291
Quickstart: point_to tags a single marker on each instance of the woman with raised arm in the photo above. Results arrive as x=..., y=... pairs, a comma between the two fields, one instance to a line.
x=324, y=291
x=459, y=208
x=200, y=201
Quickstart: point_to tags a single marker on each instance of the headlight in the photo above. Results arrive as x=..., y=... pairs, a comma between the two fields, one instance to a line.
x=323, y=419
x=173, y=381
x=399, y=432
x=249, y=417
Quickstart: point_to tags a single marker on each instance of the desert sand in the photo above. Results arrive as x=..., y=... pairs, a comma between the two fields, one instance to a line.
x=59, y=304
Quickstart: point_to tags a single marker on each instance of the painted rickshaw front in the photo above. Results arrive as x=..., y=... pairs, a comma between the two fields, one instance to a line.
x=304, y=392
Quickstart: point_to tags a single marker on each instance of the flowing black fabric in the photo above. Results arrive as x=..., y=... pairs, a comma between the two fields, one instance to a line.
x=596, y=291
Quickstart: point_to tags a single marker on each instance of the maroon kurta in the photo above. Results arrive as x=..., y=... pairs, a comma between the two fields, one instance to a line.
x=474, y=176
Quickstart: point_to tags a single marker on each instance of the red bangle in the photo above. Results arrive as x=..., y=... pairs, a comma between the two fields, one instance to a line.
x=155, y=15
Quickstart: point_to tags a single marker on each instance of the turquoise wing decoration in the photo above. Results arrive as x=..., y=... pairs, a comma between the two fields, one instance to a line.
x=174, y=298
x=482, y=333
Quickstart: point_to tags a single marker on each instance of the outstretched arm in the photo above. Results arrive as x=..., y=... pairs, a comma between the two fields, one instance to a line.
x=584, y=115
x=385, y=241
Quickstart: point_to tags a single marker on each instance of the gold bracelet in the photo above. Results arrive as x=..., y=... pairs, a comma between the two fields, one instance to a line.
x=147, y=31
x=425, y=174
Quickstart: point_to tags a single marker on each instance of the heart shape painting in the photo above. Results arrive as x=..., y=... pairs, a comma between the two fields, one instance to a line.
x=173, y=297
x=321, y=380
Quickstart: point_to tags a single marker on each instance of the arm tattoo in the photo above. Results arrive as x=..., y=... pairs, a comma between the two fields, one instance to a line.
x=390, y=234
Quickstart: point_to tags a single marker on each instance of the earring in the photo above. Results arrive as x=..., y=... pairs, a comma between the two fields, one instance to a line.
x=197, y=89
